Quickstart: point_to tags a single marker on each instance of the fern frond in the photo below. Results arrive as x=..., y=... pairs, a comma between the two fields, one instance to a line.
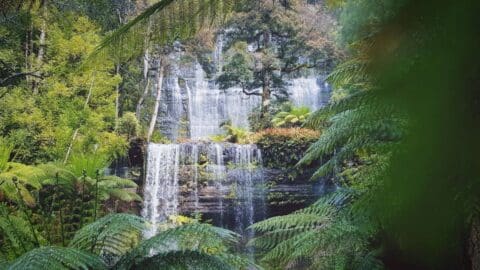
x=16, y=233
x=199, y=238
x=57, y=258
x=182, y=260
x=169, y=21
x=110, y=236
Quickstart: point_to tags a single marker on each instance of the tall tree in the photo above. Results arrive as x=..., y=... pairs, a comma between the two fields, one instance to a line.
x=276, y=44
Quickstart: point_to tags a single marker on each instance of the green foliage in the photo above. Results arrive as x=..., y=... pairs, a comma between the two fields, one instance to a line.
x=90, y=164
x=128, y=125
x=115, y=239
x=57, y=258
x=27, y=181
x=238, y=70
x=235, y=134
x=16, y=234
x=5, y=151
x=192, y=245
x=293, y=116
x=158, y=137
x=165, y=22
x=42, y=126
x=321, y=236
x=110, y=237
x=258, y=121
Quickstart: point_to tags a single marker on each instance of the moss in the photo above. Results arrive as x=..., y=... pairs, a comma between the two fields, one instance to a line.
x=284, y=147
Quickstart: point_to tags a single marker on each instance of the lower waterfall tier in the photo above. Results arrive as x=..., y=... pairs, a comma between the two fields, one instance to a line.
x=222, y=183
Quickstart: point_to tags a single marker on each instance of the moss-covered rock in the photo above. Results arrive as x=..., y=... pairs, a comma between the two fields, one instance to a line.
x=282, y=148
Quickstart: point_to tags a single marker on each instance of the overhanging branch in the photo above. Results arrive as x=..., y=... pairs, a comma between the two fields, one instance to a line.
x=20, y=74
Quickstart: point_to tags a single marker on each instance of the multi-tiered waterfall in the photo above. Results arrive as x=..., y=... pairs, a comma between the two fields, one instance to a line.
x=222, y=182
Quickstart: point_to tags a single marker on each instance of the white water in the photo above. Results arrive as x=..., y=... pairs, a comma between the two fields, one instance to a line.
x=233, y=180
x=161, y=185
x=312, y=92
x=195, y=175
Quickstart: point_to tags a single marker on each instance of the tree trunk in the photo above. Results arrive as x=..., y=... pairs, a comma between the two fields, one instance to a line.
x=153, y=120
x=266, y=93
x=75, y=133
x=146, y=79
x=117, y=98
x=474, y=245
x=41, y=46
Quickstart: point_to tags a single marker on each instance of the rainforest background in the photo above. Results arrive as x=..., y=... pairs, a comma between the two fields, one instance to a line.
x=398, y=140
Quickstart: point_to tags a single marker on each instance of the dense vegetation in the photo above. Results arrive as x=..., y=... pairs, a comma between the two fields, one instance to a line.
x=399, y=140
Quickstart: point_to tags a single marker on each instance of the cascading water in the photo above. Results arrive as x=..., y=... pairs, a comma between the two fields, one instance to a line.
x=213, y=178
x=244, y=176
x=161, y=184
x=312, y=92
x=195, y=175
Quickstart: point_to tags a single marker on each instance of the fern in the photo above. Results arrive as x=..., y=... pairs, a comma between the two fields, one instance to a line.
x=111, y=236
x=117, y=188
x=165, y=22
x=57, y=258
x=294, y=116
x=16, y=233
x=28, y=180
x=205, y=243
x=321, y=236
x=188, y=260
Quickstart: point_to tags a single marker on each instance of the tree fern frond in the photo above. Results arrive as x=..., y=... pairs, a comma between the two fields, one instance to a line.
x=16, y=233
x=352, y=73
x=110, y=236
x=182, y=260
x=296, y=220
x=57, y=258
x=196, y=237
x=56, y=172
x=169, y=21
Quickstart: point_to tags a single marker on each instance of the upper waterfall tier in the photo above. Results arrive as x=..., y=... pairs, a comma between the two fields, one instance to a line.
x=192, y=105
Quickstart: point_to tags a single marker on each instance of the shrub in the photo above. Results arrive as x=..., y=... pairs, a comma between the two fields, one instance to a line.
x=158, y=137
x=128, y=125
x=292, y=117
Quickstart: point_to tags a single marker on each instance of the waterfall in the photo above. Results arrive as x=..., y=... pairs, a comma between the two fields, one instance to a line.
x=312, y=92
x=221, y=182
x=219, y=175
x=172, y=184
x=161, y=184
x=193, y=106
x=195, y=175
x=245, y=176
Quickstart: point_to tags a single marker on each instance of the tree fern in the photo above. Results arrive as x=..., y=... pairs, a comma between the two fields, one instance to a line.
x=177, y=247
x=321, y=236
x=16, y=234
x=113, y=187
x=111, y=236
x=57, y=258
